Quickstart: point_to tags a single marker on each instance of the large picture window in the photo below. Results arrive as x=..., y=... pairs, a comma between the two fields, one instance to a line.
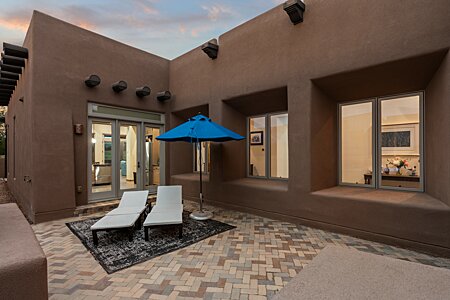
x=380, y=142
x=268, y=146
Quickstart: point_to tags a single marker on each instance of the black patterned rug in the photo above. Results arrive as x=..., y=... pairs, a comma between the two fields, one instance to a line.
x=114, y=252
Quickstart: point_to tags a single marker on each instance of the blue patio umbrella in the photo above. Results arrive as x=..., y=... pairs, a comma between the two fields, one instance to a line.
x=200, y=129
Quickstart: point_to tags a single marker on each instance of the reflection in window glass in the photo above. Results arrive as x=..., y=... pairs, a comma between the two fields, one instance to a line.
x=400, y=142
x=356, y=143
x=279, y=146
x=257, y=143
x=205, y=157
x=128, y=157
x=152, y=159
x=101, y=145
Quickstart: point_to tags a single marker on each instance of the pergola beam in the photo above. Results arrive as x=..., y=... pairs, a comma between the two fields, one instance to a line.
x=13, y=61
x=9, y=68
x=14, y=50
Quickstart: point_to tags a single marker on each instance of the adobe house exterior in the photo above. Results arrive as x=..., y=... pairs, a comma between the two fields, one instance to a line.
x=343, y=51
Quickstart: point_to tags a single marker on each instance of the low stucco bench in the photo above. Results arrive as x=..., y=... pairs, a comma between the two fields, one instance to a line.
x=23, y=265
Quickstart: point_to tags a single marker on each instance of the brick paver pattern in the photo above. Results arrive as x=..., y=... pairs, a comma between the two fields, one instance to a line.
x=253, y=261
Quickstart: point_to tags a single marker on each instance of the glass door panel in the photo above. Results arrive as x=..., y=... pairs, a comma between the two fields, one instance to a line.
x=356, y=144
x=152, y=158
x=400, y=144
x=101, y=142
x=128, y=156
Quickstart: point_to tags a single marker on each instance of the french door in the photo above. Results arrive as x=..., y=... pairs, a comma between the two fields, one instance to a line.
x=122, y=156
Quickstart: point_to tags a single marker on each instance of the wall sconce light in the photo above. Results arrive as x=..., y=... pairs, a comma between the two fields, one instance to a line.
x=211, y=48
x=119, y=86
x=163, y=96
x=92, y=80
x=295, y=10
x=143, y=91
x=78, y=129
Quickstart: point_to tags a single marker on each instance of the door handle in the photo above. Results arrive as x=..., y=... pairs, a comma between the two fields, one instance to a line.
x=138, y=164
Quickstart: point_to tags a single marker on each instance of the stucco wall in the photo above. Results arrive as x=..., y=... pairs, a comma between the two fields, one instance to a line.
x=376, y=41
x=344, y=50
x=63, y=56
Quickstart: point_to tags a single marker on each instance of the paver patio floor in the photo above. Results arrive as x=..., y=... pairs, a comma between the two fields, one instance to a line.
x=252, y=261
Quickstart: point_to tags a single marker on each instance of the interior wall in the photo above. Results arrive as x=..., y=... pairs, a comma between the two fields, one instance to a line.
x=356, y=144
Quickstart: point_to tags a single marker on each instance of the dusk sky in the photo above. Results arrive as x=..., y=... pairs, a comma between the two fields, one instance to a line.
x=167, y=28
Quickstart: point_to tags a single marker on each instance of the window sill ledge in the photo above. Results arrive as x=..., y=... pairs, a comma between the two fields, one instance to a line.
x=395, y=198
x=191, y=177
x=267, y=184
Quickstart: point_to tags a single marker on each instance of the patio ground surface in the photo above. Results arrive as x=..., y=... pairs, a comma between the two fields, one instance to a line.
x=253, y=261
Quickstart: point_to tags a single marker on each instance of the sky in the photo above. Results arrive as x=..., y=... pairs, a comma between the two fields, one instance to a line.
x=167, y=28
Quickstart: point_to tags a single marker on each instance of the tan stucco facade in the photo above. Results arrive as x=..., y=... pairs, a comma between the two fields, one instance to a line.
x=343, y=51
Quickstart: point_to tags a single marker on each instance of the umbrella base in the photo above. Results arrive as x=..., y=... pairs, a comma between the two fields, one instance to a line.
x=201, y=215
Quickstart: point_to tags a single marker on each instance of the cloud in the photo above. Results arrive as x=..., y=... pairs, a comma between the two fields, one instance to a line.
x=167, y=28
x=16, y=20
x=217, y=11
x=14, y=24
x=147, y=6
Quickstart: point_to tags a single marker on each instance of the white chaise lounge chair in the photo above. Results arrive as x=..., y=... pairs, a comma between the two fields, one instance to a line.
x=168, y=210
x=127, y=216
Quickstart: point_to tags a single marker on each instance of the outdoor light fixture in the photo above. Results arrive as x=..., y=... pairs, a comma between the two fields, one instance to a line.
x=92, y=80
x=295, y=10
x=211, y=48
x=119, y=86
x=163, y=96
x=143, y=91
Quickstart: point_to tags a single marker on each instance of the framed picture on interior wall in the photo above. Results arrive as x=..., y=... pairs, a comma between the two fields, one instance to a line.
x=256, y=138
x=400, y=139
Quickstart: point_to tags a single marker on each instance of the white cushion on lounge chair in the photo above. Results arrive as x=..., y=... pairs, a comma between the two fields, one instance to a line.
x=126, y=211
x=133, y=199
x=169, y=194
x=174, y=207
x=163, y=218
x=115, y=222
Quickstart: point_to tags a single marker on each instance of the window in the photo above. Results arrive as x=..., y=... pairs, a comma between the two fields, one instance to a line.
x=385, y=135
x=205, y=157
x=268, y=146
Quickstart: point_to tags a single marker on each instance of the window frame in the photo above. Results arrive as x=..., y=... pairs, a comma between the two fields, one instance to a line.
x=376, y=142
x=267, y=150
x=421, y=141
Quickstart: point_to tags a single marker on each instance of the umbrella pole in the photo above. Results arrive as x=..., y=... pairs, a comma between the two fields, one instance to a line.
x=201, y=181
x=201, y=215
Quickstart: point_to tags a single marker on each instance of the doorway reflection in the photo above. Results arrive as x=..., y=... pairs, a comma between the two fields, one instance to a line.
x=152, y=159
x=128, y=157
x=102, y=153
